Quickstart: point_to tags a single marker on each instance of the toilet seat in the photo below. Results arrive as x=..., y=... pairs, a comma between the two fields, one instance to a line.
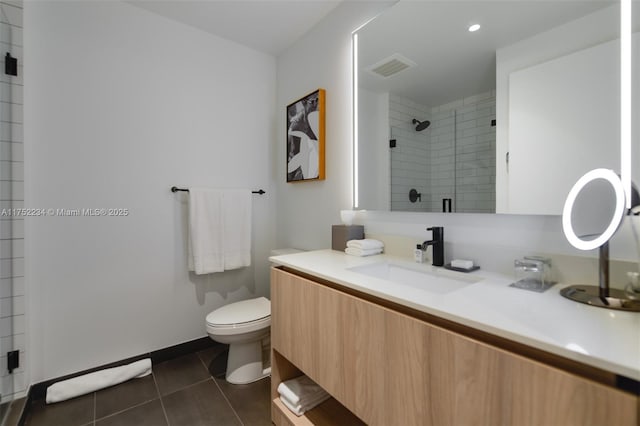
x=240, y=317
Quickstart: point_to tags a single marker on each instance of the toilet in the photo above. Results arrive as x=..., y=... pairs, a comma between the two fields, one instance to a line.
x=244, y=326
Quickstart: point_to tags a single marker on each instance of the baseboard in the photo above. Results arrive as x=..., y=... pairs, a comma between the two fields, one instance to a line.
x=39, y=390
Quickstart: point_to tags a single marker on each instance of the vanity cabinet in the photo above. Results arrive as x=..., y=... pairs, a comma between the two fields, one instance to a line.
x=386, y=366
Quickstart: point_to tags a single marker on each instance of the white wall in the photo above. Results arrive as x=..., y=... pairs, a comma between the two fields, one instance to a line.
x=321, y=59
x=550, y=104
x=587, y=31
x=373, y=152
x=494, y=240
x=120, y=105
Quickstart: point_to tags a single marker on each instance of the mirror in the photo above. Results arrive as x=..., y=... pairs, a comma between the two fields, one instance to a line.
x=517, y=110
x=594, y=209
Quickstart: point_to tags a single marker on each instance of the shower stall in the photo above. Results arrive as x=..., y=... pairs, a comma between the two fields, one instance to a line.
x=446, y=163
x=11, y=205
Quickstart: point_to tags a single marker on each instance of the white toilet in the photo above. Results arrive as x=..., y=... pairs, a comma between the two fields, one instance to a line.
x=242, y=325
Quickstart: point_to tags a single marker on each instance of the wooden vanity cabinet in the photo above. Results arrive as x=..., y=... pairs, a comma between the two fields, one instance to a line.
x=384, y=367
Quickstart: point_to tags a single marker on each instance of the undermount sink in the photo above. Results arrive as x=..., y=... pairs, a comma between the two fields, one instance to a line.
x=437, y=281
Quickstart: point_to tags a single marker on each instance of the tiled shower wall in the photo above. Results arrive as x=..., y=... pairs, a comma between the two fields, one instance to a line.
x=410, y=157
x=469, y=120
x=453, y=158
x=12, y=304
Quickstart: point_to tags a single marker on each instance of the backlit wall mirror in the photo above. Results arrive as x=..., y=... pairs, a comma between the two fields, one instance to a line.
x=503, y=119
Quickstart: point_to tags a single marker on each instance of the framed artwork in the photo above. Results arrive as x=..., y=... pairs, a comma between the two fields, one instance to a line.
x=305, y=138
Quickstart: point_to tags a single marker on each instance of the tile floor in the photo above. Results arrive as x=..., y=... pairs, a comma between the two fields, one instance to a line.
x=185, y=391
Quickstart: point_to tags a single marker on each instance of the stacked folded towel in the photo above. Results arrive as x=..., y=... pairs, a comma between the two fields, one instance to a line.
x=301, y=394
x=366, y=247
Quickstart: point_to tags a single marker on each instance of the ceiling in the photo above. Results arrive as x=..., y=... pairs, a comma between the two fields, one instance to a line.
x=452, y=63
x=268, y=26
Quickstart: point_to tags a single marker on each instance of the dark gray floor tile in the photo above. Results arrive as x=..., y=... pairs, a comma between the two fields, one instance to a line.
x=215, y=359
x=199, y=405
x=252, y=402
x=73, y=412
x=178, y=373
x=16, y=407
x=148, y=414
x=125, y=395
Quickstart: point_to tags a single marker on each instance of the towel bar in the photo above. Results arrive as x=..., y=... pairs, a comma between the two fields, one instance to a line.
x=176, y=189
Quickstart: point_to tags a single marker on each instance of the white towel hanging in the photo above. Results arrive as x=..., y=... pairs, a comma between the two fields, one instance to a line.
x=219, y=229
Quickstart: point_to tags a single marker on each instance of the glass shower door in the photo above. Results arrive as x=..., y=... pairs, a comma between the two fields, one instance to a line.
x=7, y=218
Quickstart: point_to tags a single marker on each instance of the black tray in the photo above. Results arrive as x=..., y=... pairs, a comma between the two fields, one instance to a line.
x=453, y=268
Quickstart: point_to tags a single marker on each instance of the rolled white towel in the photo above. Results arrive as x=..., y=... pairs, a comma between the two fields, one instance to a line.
x=366, y=244
x=91, y=382
x=297, y=389
x=300, y=409
x=361, y=252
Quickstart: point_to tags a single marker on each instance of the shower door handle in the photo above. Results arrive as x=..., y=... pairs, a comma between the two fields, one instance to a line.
x=446, y=205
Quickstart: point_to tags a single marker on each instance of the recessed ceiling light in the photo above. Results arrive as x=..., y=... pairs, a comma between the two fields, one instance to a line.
x=474, y=28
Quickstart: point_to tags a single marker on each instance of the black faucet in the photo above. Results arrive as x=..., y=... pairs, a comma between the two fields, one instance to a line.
x=438, y=245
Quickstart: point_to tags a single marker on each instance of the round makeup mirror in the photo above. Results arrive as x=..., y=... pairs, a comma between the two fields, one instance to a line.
x=592, y=213
x=594, y=209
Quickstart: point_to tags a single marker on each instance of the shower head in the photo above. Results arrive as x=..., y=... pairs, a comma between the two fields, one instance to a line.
x=421, y=125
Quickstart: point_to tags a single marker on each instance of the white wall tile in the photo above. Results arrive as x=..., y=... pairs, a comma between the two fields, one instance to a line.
x=11, y=133
x=11, y=14
x=410, y=157
x=11, y=190
x=11, y=93
x=10, y=113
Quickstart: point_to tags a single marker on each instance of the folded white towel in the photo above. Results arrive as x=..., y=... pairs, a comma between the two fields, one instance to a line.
x=366, y=244
x=298, y=389
x=308, y=403
x=300, y=409
x=361, y=252
x=91, y=382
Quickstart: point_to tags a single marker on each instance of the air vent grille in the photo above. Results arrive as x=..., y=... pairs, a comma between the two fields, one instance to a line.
x=391, y=66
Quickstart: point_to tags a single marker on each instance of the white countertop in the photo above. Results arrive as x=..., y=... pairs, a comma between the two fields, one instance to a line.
x=603, y=338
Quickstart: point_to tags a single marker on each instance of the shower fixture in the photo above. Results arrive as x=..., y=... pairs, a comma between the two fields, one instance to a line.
x=421, y=125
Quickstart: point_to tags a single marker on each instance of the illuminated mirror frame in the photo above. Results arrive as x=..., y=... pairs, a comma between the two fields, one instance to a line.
x=567, y=226
x=622, y=184
x=354, y=101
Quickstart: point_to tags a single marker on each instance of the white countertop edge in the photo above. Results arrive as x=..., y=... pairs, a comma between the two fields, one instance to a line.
x=339, y=274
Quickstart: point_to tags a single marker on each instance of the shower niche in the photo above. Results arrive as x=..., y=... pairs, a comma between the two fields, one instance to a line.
x=450, y=162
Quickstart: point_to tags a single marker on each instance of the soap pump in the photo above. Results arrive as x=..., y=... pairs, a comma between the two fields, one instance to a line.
x=418, y=254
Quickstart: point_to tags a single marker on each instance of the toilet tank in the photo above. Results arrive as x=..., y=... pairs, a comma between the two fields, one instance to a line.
x=279, y=252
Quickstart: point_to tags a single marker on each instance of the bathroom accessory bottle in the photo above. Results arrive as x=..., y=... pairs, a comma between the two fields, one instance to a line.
x=418, y=254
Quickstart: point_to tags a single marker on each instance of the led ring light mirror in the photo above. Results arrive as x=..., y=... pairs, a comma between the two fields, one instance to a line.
x=579, y=187
x=589, y=197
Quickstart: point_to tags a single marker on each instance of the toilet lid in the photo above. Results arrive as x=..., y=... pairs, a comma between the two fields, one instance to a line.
x=241, y=312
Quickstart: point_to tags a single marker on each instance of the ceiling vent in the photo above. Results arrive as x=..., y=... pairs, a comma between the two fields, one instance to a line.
x=390, y=66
